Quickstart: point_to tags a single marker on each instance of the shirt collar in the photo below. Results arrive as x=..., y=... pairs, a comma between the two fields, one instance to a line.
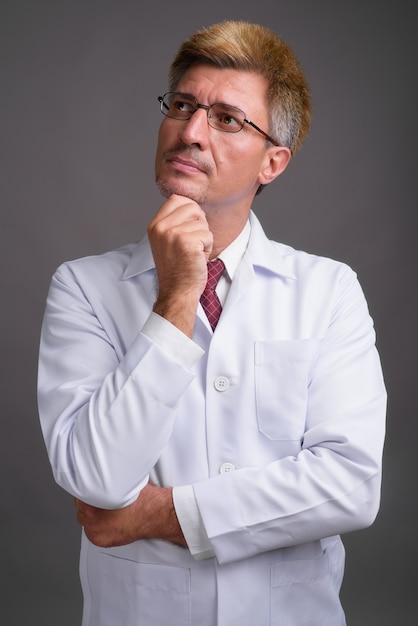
x=233, y=253
x=258, y=251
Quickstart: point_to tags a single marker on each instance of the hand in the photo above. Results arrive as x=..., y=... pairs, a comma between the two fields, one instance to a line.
x=151, y=516
x=181, y=243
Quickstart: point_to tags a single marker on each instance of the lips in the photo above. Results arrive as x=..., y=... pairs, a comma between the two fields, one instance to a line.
x=186, y=159
x=185, y=164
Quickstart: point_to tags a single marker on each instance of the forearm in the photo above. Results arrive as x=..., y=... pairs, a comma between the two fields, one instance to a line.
x=161, y=519
x=151, y=516
x=331, y=487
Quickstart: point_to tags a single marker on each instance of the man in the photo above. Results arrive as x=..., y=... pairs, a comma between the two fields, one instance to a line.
x=214, y=467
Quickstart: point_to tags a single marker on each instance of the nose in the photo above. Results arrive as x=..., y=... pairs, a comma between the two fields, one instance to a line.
x=195, y=131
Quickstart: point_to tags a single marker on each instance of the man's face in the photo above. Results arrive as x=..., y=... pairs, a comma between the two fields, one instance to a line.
x=216, y=169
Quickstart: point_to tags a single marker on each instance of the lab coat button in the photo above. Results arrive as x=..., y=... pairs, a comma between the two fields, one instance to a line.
x=226, y=467
x=221, y=383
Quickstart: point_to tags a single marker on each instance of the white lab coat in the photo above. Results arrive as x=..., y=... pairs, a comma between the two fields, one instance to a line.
x=279, y=426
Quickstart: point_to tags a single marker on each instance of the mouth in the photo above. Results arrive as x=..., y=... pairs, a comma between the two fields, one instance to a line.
x=182, y=162
x=185, y=165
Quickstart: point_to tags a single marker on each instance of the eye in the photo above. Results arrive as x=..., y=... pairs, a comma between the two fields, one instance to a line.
x=181, y=106
x=226, y=118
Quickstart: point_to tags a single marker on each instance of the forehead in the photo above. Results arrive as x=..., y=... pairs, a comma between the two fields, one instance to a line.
x=209, y=84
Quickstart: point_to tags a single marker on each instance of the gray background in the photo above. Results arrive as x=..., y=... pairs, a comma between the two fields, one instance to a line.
x=79, y=83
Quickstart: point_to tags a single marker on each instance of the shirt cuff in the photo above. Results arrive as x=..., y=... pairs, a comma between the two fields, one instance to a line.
x=176, y=345
x=191, y=523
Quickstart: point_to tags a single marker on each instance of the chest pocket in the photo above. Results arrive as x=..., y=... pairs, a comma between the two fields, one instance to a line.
x=283, y=371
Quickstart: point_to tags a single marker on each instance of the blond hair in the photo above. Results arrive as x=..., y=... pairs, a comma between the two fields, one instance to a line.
x=251, y=47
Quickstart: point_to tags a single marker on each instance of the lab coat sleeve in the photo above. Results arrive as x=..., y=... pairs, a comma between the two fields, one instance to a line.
x=332, y=486
x=105, y=420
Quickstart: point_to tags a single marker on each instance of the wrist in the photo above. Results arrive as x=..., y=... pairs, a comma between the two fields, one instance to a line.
x=164, y=522
x=179, y=311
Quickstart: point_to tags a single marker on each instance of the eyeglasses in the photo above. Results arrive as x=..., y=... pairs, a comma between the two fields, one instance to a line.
x=224, y=117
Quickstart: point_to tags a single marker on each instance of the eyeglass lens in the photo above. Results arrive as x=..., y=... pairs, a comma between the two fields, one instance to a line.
x=225, y=117
x=220, y=116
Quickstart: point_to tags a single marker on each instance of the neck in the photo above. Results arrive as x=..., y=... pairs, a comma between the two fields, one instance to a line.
x=225, y=229
x=223, y=236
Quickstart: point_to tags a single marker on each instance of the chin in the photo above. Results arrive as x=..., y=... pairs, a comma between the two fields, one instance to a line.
x=168, y=188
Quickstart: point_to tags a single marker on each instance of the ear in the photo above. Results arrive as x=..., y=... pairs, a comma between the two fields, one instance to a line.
x=275, y=162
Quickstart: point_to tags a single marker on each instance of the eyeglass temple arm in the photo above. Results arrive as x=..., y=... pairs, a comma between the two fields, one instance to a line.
x=273, y=141
x=162, y=103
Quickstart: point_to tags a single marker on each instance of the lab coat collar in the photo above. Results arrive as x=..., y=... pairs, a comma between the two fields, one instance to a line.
x=261, y=252
x=141, y=259
x=266, y=254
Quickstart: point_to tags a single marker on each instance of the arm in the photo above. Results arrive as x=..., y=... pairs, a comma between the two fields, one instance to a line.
x=150, y=516
x=333, y=485
x=105, y=415
x=181, y=243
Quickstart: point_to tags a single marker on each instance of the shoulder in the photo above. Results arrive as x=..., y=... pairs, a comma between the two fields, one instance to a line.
x=103, y=267
x=284, y=259
x=301, y=261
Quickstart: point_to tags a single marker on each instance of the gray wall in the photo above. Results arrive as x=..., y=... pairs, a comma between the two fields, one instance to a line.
x=79, y=82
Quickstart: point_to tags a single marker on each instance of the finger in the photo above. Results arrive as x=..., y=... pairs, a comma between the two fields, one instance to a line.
x=175, y=202
x=178, y=209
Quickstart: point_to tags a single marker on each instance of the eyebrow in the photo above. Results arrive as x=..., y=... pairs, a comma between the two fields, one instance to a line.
x=190, y=95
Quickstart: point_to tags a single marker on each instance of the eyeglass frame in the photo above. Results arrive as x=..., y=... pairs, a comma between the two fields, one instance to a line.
x=207, y=108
